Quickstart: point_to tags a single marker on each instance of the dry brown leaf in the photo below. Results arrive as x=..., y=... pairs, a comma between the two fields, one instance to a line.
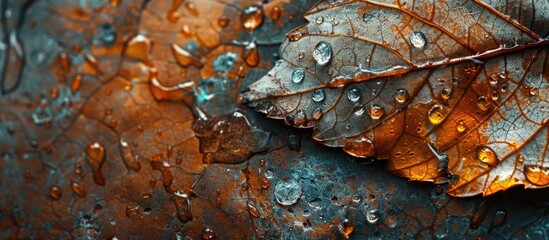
x=453, y=91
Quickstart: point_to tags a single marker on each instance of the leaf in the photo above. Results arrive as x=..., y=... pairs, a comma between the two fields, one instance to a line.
x=448, y=92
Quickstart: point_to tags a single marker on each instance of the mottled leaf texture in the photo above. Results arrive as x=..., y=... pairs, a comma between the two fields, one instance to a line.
x=447, y=91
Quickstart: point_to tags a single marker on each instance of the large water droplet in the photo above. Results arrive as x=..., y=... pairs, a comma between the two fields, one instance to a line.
x=401, y=95
x=486, y=155
x=319, y=20
x=376, y=112
x=252, y=17
x=353, y=95
x=322, y=53
x=318, y=95
x=437, y=114
x=537, y=175
x=288, y=192
x=298, y=75
x=418, y=40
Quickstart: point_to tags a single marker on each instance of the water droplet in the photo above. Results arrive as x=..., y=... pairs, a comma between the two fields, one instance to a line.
x=288, y=192
x=446, y=93
x=132, y=211
x=437, y=114
x=265, y=184
x=479, y=214
x=537, y=175
x=115, y=3
x=373, y=216
x=208, y=234
x=499, y=219
x=358, y=110
x=483, y=103
x=301, y=55
x=96, y=156
x=269, y=173
x=107, y=33
x=38, y=57
x=252, y=210
x=251, y=56
x=353, y=95
x=78, y=189
x=418, y=40
x=55, y=192
x=184, y=211
x=493, y=79
x=319, y=20
x=486, y=155
x=520, y=159
x=184, y=57
x=360, y=148
x=533, y=91
x=318, y=95
x=376, y=112
x=298, y=75
x=223, y=21
x=317, y=113
x=76, y=83
x=276, y=12
x=322, y=53
x=347, y=228
x=191, y=7
x=495, y=95
x=138, y=48
x=252, y=17
x=129, y=157
x=461, y=127
x=401, y=95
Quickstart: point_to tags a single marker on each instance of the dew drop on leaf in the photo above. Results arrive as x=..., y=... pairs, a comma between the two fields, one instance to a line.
x=322, y=53
x=298, y=75
x=252, y=17
x=418, y=40
x=437, y=114
x=78, y=189
x=401, y=95
x=446, y=93
x=287, y=192
x=483, y=103
x=461, y=127
x=223, y=21
x=319, y=20
x=317, y=113
x=376, y=112
x=373, y=216
x=347, y=228
x=318, y=95
x=486, y=155
x=353, y=95
x=537, y=175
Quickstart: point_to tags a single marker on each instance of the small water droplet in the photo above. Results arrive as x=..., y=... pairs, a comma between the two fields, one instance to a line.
x=461, y=127
x=252, y=210
x=252, y=17
x=276, y=12
x=107, y=33
x=486, y=155
x=129, y=157
x=78, y=189
x=418, y=40
x=358, y=110
x=96, y=156
x=55, y=192
x=223, y=21
x=376, y=112
x=317, y=113
x=298, y=75
x=533, y=91
x=319, y=20
x=353, y=95
x=76, y=83
x=184, y=211
x=495, y=95
x=483, y=103
x=322, y=53
x=520, y=159
x=446, y=93
x=401, y=95
x=373, y=216
x=301, y=55
x=265, y=184
x=437, y=114
x=251, y=56
x=269, y=173
x=537, y=175
x=288, y=192
x=191, y=7
x=318, y=95
x=208, y=234
x=132, y=211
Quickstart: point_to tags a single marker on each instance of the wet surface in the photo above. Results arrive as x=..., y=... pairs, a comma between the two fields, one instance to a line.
x=120, y=119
